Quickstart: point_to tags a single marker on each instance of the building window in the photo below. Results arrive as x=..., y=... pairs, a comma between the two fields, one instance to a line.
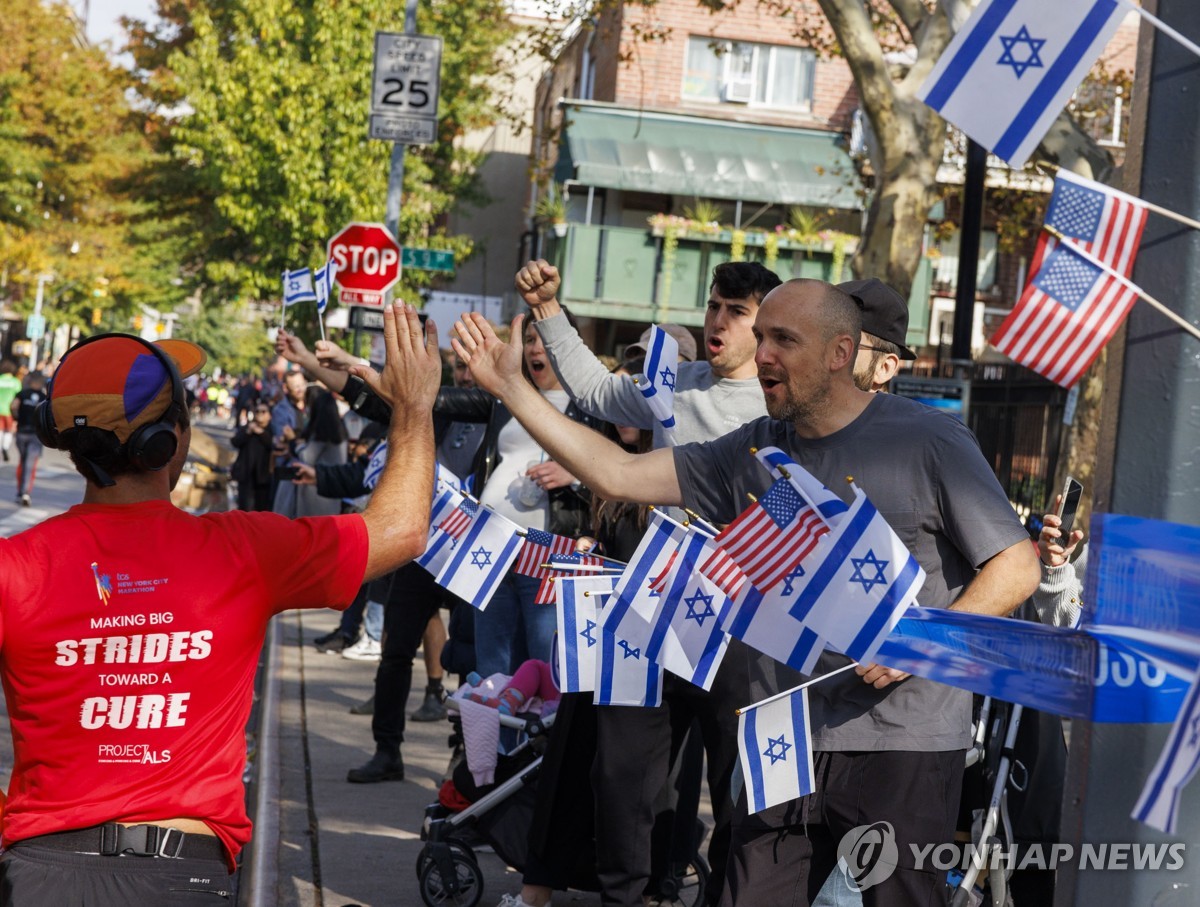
x=735, y=72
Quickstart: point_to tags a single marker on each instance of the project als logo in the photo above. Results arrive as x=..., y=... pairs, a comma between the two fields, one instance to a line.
x=104, y=587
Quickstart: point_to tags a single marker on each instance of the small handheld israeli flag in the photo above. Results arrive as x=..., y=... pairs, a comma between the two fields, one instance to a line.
x=687, y=639
x=485, y=551
x=624, y=675
x=658, y=383
x=579, y=602
x=375, y=466
x=635, y=600
x=441, y=542
x=1158, y=805
x=323, y=280
x=298, y=287
x=776, y=751
x=856, y=584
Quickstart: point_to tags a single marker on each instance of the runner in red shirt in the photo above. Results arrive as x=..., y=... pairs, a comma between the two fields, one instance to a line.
x=128, y=660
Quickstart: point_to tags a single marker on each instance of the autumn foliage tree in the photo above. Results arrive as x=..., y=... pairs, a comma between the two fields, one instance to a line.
x=71, y=154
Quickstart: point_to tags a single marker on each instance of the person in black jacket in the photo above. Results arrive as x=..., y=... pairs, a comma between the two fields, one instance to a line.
x=252, y=468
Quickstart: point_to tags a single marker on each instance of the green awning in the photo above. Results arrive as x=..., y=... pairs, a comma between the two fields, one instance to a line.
x=672, y=154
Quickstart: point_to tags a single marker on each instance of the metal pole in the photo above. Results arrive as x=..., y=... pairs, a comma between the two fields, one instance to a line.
x=395, y=189
x=1147, y=467
x=968, y=253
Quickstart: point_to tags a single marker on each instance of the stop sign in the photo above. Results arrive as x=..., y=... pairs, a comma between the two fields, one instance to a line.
x=368, y=262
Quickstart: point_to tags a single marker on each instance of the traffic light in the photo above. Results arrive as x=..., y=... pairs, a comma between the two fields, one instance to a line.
x=95, y=317
x=137, y=322
x=100, y=288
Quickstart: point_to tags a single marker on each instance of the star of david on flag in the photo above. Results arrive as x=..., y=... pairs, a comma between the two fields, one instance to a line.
x=485, y=549
x=624, y=675
x=323, y=283
x=658, y=383
x=1069, y=310
x=775, y=751
x=1013, y=66
x=771, y=535
x=298, y=287
x=375, y=465
x=579, y=600
x=686, y=637
x=857, y=584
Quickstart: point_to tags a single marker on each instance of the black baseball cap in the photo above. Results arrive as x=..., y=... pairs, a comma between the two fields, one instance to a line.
x=884, y=311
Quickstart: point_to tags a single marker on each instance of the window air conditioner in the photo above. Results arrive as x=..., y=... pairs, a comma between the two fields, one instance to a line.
x=739, y=91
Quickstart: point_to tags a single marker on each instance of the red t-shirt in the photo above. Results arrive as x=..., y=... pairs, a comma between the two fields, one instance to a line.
x=129, y=638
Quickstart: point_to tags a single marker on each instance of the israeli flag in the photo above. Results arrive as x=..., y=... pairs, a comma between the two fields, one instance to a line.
x=762, y=622
x=636, y=598
x=1158, y=805
x=658, y=383
x=857, y=584
x=323, y=279
x=1014, y=65
x=687, y=638
x=375, y=467
x=624, y=675
x=776, y=752
x=447, y=479
x=579, y=601
x=482, y=556
x=440, y=544
x=298, y=287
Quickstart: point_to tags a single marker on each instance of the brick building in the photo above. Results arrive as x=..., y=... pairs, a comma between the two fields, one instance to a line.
x=653, y=115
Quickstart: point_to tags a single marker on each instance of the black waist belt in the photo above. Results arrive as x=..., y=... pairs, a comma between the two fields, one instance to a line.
x=113, y=840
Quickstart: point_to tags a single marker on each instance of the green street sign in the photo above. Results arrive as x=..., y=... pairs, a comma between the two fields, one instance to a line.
x=426, y=259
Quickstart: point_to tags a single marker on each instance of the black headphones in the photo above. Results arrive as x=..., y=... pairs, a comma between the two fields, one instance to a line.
x=151, y=446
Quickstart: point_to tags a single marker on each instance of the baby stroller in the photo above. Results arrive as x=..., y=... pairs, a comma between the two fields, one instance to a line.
x=501, y=814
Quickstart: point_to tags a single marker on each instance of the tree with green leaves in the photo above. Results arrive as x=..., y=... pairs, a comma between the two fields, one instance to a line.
x=71, y=152
x=262, y=106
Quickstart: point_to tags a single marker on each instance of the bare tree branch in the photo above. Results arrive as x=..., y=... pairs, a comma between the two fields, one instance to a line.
x=912, y=13
x=864, y=56
x=931, y=40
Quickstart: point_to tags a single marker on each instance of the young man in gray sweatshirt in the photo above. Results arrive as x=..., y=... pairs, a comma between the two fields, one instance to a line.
x=712, y=397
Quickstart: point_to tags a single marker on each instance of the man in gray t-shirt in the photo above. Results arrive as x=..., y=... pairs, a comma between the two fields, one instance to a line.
x=885, y=758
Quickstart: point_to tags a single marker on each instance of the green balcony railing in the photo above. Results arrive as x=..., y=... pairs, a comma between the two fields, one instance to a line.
x=618, y=272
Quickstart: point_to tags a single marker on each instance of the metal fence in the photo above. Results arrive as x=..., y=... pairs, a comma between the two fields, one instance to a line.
x=1017, y=416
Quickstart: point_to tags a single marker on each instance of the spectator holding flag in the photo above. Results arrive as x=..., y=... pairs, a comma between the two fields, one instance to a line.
x=711, y=397
x=92, y=829
x=889, y=748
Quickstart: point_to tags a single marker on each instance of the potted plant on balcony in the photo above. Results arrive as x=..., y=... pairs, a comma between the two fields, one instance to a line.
x=552, y=209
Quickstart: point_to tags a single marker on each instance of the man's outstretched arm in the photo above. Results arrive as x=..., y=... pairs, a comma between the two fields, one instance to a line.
x=599, y=463
x=397, y=517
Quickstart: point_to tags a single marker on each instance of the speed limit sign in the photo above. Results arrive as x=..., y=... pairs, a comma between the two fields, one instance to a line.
x=404, y=87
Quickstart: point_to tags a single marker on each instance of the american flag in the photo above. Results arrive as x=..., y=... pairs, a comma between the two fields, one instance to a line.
x=1069, y=310
x=769, y=537
x=545, y=592
x=459, y=519
x=658, y=584
x=1101, y=221
x=723, y=572
x=538, y=548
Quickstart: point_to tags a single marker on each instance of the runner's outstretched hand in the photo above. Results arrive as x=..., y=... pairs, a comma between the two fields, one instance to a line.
x=412, y=372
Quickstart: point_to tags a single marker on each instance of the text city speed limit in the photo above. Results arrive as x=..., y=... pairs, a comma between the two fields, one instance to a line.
x=407, y=71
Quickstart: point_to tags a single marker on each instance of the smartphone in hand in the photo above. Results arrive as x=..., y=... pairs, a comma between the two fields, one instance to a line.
x=1068, y=506
x=287, y=473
